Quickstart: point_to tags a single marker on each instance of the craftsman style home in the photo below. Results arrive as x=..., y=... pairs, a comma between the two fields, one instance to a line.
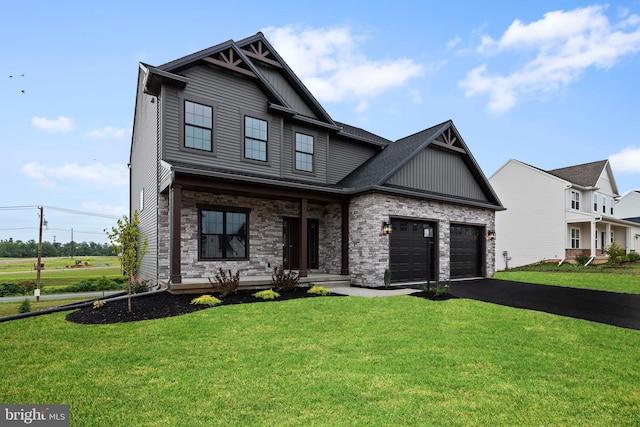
x=558, y=214
x=235, y=165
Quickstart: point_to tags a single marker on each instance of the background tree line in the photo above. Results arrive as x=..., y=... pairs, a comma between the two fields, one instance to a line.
x=18, y=249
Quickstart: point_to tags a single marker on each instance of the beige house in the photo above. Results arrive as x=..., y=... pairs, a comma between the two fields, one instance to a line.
x=558, y=214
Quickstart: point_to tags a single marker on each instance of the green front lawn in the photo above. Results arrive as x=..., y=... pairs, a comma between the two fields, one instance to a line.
x=329, y=361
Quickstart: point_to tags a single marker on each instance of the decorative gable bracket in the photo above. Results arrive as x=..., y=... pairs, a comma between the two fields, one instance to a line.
x=231, y=60
x=450, y=140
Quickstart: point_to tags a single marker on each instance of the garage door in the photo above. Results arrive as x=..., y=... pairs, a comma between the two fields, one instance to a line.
x=412, y=250
x=466, y=251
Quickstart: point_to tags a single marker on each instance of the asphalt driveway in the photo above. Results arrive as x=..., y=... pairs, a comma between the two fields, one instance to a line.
x=612, y=308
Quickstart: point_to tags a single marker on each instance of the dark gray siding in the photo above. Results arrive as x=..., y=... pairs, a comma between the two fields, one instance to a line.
x=231, y=97
x=283, y=87
x=345, y=157
x=319, y=156
x=439, y=171
x=144, y=180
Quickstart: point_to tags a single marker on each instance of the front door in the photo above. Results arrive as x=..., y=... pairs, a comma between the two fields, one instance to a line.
x=291, y=243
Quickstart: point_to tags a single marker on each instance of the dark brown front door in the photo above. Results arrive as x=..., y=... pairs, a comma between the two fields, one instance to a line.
x=291, y=243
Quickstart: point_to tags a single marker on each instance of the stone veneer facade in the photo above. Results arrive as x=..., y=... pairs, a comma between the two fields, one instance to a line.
x=368, y=247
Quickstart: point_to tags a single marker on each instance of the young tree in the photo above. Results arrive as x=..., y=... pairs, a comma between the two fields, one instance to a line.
x=130, y=245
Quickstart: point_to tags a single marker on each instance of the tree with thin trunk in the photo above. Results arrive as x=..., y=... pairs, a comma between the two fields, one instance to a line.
x=130, y=245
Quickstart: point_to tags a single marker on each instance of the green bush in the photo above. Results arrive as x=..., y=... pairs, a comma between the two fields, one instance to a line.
x=206, y=300
x=91, y=285
x=267, y=294
x=318, y=290
x=633, y=257
x=582, y=259
x=284, y=281
x=25, y=306
x=10, y=289
x=616, y=253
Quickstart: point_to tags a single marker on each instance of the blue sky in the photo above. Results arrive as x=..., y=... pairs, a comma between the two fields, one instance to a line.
x=551, y=84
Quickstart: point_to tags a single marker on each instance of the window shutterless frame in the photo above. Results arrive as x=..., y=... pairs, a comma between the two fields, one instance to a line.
x=223, y=233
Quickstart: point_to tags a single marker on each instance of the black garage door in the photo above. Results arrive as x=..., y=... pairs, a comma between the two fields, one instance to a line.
x=412, y=250
x=466, y=251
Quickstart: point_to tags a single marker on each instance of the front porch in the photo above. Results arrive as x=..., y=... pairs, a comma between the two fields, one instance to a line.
x=202, y=285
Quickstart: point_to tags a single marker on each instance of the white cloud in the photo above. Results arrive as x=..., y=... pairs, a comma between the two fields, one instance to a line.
x=626, y=161
x=112, y=175
x=107, y=132
x=332, y=68
x=105, y=209
x=60, y=125
x=560, y=47
x=453, y=42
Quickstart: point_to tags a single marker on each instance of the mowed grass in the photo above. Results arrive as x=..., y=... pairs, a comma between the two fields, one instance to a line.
x=344, y=361
x=625, y=279
x=11, y=308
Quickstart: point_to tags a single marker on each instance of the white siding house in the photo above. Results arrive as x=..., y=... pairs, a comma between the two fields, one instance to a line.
x=559, y=214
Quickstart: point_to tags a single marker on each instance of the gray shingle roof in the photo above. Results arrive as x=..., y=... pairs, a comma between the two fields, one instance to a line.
x=585, y=175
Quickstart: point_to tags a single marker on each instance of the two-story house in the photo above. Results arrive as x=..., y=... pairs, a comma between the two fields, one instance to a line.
x=557, y=214
x=236, y=165
x=628, y=206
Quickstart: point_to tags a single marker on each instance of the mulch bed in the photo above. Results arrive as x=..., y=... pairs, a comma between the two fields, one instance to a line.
x=164, y=304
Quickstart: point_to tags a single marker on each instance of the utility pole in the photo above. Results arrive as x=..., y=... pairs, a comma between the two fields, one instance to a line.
x=39, y=264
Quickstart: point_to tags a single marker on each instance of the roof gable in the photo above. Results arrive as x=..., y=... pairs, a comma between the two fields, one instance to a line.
x=585, y=175
x=380, y=169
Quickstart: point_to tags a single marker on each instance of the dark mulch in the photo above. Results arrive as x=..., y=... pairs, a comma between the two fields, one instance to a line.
x=164, y=304
x=432, y=297
x=611, y=308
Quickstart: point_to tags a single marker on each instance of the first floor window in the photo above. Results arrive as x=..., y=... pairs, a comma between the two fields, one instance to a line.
x=223, y=234
x=575, y=238
x=304, y=152
x=198, y=126
x=255, y=139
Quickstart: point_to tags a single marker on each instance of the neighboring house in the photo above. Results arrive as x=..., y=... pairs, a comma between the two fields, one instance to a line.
x=558, y=214
x=628, y=206
x=235, y=165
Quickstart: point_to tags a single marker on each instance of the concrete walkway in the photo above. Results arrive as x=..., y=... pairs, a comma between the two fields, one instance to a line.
x=371, y=293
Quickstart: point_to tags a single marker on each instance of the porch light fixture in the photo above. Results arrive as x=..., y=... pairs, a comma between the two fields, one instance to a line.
x=386, y=227
x=491, y=235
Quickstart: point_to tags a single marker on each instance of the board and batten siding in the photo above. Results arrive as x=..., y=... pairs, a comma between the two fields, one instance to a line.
x=231, y=97
x=532, y=228
x=282, y=86
x=345, y=157
x=320, y=147
x=439, y=171
x=144, y=178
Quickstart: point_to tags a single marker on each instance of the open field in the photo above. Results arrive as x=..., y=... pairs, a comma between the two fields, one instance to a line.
x=55, y=273
x=329, y=361
x=11, y=308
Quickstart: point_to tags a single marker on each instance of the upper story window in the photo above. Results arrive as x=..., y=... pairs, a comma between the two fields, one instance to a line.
x=604, y=204
x=224, y=234
x=575, y=200
x=595, y=202
x=611, y=204
x=198, y=126
x=255, y=138
x=304, y=152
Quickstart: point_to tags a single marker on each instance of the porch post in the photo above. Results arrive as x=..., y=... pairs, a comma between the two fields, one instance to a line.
x=175, y=210
x=345, y=239
x=608, y=237
x=303, y=238
x=592, y=244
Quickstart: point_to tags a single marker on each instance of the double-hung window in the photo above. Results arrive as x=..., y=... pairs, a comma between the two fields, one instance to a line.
x=604, y=204
x=595, y=203
x=224, y=233
x=575, y=238
x=611, y=202
x=304, y=152
x=575, y=200
x=255, y=138
x=198, y=126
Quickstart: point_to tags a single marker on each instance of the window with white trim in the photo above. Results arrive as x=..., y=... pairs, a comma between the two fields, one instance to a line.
x=611, y=204
x=575, y=238
x=604, y=204
x=595, y=202
x=575, y=200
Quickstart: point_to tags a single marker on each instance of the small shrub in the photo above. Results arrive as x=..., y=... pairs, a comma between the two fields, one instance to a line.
x=633, y=257
x=267, y=294
x=225, y=285
x=615, y=252
x=98, y=304
x=284, y=281
x=387, y=277
x=25, y=306
x=582, y=259
x=437, y=290
x=318, y=290
x=206, y=300
x=10, y=289
x=139, y=286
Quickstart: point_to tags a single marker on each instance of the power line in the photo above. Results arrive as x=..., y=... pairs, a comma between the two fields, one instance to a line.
x=72, y=211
